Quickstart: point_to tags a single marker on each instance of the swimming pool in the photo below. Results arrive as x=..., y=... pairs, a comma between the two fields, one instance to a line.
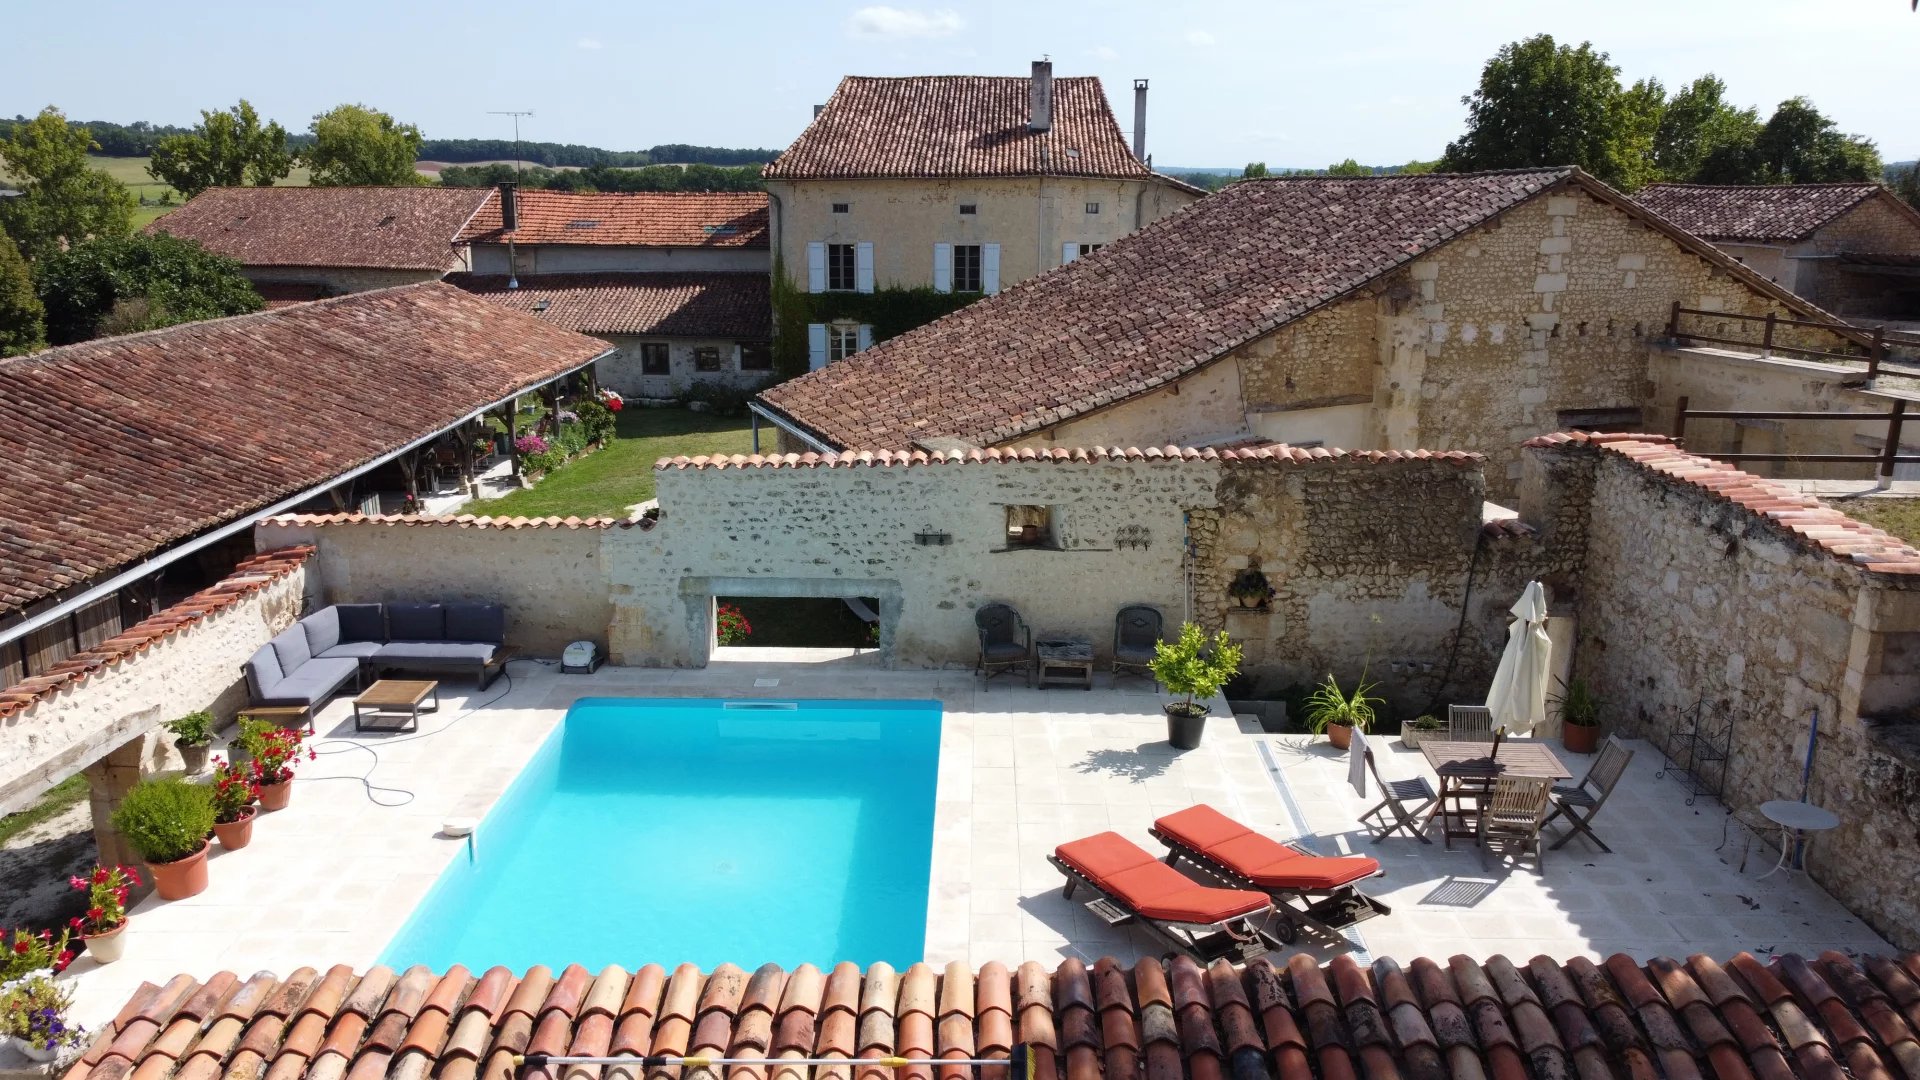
x=681, y=831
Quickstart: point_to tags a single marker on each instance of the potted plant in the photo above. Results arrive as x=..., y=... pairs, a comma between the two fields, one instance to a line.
x=33, y=1011
x=103, y=926
x=1416, y=729
x=167, y=822
x=1579, y=709
x=192, y=735
x=273, y=751
x=234, y=792
x=1335, y=713
x=1195, y=666
x=729, y=626
x=1251, y=589
x=23, y=952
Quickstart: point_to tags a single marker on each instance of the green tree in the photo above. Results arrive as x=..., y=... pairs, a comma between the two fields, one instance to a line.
x=1349, y=167
x=119, y=284
x=1540, y=103
x=355, y=145
x=23, y=319
x=228, y=149
x=63, y=199
x=1800, y=145
x=1420, y=168
x=1698, y=126
x=1905, y=182
x=1254, y=170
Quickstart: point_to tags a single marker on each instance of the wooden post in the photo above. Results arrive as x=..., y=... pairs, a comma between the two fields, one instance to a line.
x=1680, y=420
x=1894, y=420
x=1673, y=321
x=1766, y=339
x=469, y=434
x=1878, y=354
x=513, y=438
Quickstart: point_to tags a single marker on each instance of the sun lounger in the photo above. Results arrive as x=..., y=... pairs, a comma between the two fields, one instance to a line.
x=1133, y=886
x=1304, y=887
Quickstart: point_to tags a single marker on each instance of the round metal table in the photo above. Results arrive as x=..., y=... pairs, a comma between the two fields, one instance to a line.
x=1795, y=820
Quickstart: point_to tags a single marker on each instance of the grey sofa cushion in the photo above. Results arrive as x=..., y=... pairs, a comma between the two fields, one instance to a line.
x=362, y=622
x=323, y=630
x=1134, y=654
x=434, y=652
x=416, y=622
x=1002, y=651
x=476, y=622
x=263, y=672
x=352, y=650
x=316, y=680
x=290, y=645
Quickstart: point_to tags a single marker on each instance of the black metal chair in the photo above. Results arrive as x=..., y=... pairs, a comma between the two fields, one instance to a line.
x=1135, y=632
x=1006, y=642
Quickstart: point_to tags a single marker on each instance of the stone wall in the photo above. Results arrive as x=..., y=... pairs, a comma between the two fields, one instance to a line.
x=1202, y=408
x=617, y=258
x=622, y=371
x=1877, y=226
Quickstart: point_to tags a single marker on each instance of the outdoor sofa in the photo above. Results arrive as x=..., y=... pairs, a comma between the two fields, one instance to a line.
x=306, y=664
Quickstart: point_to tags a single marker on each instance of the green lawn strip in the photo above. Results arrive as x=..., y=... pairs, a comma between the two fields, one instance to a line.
x=605, y=483
x=55, y=802
x=801, y=622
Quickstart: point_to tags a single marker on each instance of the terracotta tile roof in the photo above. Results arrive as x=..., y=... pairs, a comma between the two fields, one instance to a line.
x=1144, y=310
x=718, y=305
x=1788, y=511
x=247, y=578
x=456, y=521
x=118, y=447
x=1756, y=212
x=388, y=228
x=707, y=219
x=1175, y=1020
x=958, y=125
x=1272, y=454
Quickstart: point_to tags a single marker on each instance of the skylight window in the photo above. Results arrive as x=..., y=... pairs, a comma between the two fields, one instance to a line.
x=583, y=223
x=720, y=230
x=385, y=221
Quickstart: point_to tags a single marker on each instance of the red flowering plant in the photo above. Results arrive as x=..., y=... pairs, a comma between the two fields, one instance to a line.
x=729, y=626
x=274, y=749
x=235, y=790
x=24, y=952
x=106, y=899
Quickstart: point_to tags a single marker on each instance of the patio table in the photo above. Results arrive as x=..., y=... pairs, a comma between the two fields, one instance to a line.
x=1064, y=661
x=1464, y=765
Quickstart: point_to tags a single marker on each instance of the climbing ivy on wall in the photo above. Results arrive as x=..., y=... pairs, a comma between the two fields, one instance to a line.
x=891, y=311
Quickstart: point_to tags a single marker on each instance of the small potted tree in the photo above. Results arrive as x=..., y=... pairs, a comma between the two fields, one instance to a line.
x=1194, y=666
x=192, y=736
x=1334, y=713
x=167, y=822
x=103, y=926
x=234, y=792
x=1579, y=709
x=273, y=751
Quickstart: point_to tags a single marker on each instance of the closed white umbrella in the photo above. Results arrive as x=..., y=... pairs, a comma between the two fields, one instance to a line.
x=1518, y=697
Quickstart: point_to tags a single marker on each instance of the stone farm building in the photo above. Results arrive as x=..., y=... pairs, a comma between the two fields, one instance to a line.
x=303, y=243
x=1853, y=249
x=676, y=281
x=1468, y=312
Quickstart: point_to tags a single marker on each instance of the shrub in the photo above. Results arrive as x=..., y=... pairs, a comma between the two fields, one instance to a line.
x=729, y=626
x=106, y=898
x=597, y=421
x=1195, y=665
x=34, y=1010
x=716, y=398
x=193, y=729
x=165, y=820
x=1329, y=706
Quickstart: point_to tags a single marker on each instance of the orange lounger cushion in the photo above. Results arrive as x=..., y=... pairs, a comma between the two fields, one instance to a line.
x=1260, y=859
x=1126, y=871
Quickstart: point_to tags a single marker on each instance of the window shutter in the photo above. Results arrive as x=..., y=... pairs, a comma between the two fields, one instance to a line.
x=817, y=267
x=863, y=267
x=1068, y=252
x=863, y=338
x=943, y=268
x=990, y=268
x=816, y=346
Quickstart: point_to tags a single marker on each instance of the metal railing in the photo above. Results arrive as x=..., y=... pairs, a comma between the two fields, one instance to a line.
x=1886, y=458
x=1874, y=341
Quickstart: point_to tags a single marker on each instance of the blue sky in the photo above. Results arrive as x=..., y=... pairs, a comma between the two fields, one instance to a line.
x=1301, y=84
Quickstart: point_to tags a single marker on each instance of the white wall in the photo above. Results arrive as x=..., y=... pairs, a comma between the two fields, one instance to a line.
x=1334, y=426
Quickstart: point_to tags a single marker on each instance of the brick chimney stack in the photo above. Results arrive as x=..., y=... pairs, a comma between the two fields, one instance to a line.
x=1041, y=117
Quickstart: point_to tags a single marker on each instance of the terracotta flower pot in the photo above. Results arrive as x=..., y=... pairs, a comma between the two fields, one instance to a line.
x=1580, y=738
x=1340, y=735
x=235, y=835
x=108, y=945
x=182, y=878
x=276, y=796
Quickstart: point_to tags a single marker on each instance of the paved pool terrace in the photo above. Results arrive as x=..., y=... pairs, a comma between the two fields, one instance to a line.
x=331, y=879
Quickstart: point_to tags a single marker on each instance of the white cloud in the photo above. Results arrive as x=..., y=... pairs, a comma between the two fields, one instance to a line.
x=587, y=43
x=1200, y=38
x=892, y=22
x=1104, y=52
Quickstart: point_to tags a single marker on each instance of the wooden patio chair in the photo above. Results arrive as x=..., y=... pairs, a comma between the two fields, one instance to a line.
x=1135, y=632
x=1513, y=812
x=1469, y=723
x=1580, y=803
x=1402, y=804
x=1006, y=642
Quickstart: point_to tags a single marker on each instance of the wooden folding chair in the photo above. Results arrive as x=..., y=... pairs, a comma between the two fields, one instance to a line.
x=1580, y=803
x=1513, y=812
x=1397, y=796
x=1469, y=723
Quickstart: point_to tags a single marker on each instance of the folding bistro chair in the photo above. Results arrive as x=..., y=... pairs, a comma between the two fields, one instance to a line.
x=1580, y=803
x=1396, y=798
x=1513, y=813
x=1469, y=723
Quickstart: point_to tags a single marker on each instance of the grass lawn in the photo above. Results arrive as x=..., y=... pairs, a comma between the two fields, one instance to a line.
x=51, y=805
x=604, y=484
x=1901, y=517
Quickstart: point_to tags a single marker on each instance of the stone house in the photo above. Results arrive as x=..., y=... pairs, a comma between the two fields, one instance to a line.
x=965, y=184
x=677, y=282
x=1467, y=312
x=1853, y=249
x=304, y=243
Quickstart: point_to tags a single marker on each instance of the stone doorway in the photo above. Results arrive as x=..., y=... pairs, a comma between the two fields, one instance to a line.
x=702, y=595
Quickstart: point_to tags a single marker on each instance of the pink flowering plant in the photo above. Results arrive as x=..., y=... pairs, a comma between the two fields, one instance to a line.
x=530, y=444
x=235, y=790
x=26, y=952
x=274, y=749
x=106, y=899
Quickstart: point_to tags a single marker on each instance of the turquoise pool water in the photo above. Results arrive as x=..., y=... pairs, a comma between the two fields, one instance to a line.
x=677, y=831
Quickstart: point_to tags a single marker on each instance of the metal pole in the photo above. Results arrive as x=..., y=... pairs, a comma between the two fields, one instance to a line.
x=1892, y=450
x=1878, y=354
x=1680, y=420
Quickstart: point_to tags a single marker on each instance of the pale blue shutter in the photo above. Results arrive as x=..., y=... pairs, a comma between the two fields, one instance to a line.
x=863, y=338
x=816, y=346
x=1068, y=253
x=943, y=268
x=863, y=267
x=990, y=268
x=816, y=267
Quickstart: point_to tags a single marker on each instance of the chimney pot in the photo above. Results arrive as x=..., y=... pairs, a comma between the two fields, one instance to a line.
x=1140, y=119
x=1040, y=118
x=818, y=109
x=509, y=205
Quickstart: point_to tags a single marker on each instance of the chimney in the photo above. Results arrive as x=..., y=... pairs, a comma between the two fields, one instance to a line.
x=818, y=109
x=1140, y=119
x=1041, y=118
x=509, y=206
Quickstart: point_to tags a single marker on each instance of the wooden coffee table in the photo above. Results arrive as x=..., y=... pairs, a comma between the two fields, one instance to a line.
x=1064, y=661
x=398, y=698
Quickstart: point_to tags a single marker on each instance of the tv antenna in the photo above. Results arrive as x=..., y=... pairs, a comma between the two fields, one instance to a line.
x=516, y=114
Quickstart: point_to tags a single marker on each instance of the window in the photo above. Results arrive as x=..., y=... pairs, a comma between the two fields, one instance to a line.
x=1093, y=208
x=841, y=208
x=843, y=340
x=969, y=209
x=653, y=358
x=1031, y=527
x=840, y=268
x=966, y=268
x=706, y=358
x=756, y=356
x=1088, y=249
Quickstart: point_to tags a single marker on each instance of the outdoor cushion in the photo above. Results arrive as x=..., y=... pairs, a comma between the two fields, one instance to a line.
x=361, y=622
x=314, y=682
x=395, y=652
x=1152, y=888
x=1260, y=859
x=476, y=622
x=263, y=672
x=1134, y=654
x=290, y=645
x=352, y=650
x=323, y=630
x=416, y=622
x=1005, y=650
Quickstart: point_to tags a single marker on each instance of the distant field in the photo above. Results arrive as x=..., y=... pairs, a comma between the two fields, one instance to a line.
x=157, y=199
x=432, y=168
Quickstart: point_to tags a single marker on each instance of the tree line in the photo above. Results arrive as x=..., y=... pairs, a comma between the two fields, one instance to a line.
x=609, y=177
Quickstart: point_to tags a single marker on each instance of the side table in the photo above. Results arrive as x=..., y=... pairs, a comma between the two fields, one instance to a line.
x=1064, y=661
x=1795, y=820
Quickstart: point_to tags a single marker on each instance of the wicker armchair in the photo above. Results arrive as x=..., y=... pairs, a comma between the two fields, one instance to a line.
x=1006, y=642
x=1136, y=630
